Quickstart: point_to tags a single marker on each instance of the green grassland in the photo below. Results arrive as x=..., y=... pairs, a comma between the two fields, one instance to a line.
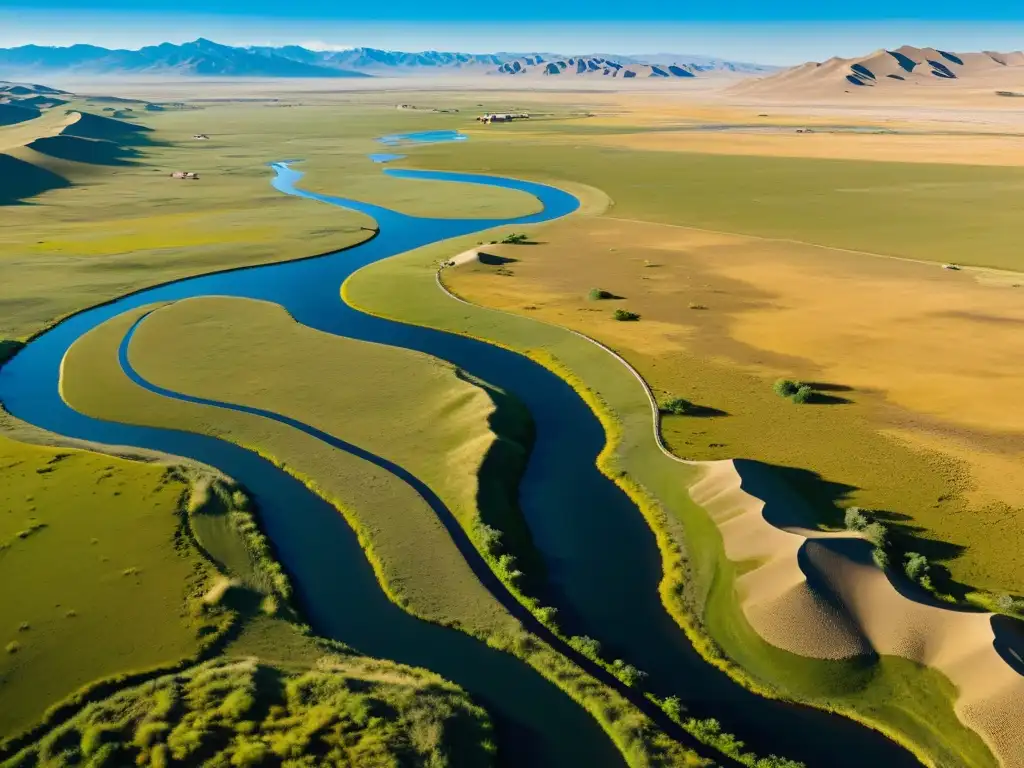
x=92, y=213
x=439, y=426
x=964, y=214
x=88, y=542
x=698, y=586
x=309, y=701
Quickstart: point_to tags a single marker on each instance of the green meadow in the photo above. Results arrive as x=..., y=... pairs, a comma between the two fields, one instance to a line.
x=92, y=213
x=956, y=213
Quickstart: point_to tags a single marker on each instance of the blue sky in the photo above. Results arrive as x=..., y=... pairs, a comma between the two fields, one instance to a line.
x=779, y=32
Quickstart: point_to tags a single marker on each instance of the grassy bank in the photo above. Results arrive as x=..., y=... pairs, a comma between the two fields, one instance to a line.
x=439, y=427
x=403, y=288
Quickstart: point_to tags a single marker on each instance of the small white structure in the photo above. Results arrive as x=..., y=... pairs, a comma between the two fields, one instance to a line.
x=184, y=175
x=502, y=117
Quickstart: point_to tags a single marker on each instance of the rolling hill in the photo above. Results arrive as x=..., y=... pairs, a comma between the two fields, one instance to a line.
x=899, y=68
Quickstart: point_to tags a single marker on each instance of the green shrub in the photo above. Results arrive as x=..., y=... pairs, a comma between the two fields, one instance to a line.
x=677, y=406
x=516, y=239
x=625, y=314
x=596, y=294
x=855, y=519
x=880, y=557
x=627, y=673
x=673, y=708
x=877, y=534
x=917, y=567
x=588, y=646
x=803, y=394
x=13, y=647
x=785, y=387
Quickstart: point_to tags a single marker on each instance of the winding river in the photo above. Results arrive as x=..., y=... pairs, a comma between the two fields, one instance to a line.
x=603, y=563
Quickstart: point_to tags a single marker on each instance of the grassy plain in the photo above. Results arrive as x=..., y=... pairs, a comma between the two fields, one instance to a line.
x=438, y=425
x=698, y=584
x=87, y=542
x=98, y=216
x=935, y=212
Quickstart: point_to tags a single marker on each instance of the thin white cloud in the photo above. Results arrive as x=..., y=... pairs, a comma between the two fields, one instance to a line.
x=320, y=45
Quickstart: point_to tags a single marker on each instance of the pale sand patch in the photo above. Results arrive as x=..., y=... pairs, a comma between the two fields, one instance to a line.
x=818, y=594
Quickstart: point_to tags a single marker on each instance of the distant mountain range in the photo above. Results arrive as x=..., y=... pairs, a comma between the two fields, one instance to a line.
x=591, y=66
x=206, y=58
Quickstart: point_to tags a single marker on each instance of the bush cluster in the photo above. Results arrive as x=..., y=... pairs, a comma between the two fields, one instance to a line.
x=677, y=406
x=597, y=294
x=516, y=238
x=796, y=391
x=625, y=314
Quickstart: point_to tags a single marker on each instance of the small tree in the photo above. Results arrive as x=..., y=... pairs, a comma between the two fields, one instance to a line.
x=596, y=294
x=625, y=315
x=855, y=519
x=673, y=707
x=677, y=406
x=916, y=566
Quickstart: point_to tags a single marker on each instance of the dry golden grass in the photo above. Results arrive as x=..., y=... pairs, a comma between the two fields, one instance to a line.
x=902, y=148
x=925, y=351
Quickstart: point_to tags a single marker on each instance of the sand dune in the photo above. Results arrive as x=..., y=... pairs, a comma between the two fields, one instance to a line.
x=895, y=69
x=819, y=594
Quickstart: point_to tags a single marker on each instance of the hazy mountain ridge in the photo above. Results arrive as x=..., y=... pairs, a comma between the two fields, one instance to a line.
x=206, y=58
x=591, y=66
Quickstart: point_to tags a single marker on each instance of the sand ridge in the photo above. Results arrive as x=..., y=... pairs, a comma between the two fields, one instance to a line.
x=819, y=594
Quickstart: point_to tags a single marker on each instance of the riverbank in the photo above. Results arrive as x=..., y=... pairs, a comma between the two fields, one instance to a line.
x=691, y=548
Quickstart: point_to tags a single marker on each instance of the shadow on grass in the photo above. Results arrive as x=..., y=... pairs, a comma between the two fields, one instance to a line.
x=20, y=179
x=91, y=151
x=705, y=412
x=823, y=398
x=825, y=386
x=12, y=114
x=493, y=260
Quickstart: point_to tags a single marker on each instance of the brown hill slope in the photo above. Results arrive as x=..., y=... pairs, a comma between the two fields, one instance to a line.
x=893, y=69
